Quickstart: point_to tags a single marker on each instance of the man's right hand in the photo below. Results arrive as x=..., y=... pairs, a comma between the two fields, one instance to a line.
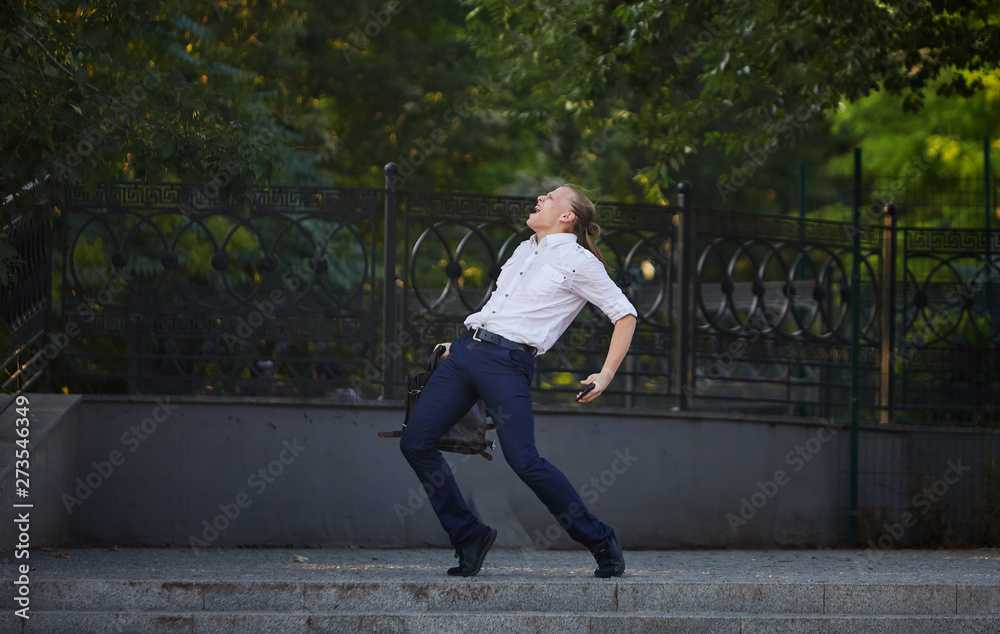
x=447, y=350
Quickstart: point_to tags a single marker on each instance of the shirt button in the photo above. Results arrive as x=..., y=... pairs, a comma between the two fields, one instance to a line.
x=521, y=273
x=494, y=312
x=506, y=294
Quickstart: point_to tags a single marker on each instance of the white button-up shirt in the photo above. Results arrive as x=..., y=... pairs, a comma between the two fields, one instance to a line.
x=541, y=289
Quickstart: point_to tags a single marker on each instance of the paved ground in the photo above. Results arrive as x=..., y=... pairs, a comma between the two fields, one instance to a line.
x=963, y=567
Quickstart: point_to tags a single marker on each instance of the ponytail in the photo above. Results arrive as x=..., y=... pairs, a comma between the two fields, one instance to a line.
x=584, y=226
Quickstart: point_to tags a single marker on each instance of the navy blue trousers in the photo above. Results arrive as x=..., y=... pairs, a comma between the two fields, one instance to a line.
x=502, y=378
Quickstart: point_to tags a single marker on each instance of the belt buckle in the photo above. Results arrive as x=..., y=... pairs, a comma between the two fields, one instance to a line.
x=475, y=335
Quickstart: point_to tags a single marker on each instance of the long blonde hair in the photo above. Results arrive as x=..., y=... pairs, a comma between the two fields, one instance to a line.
x=584, y=226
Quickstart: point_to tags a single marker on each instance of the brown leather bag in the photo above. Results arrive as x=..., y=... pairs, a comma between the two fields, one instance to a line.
x=468, y=435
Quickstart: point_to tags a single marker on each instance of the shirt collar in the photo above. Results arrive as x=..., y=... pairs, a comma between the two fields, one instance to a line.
x=554, y=239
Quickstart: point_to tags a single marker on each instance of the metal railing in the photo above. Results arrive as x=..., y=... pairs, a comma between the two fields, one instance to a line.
x=25, y=302
x=173, y=292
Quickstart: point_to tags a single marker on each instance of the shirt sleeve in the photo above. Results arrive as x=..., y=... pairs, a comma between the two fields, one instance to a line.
x=596, y=286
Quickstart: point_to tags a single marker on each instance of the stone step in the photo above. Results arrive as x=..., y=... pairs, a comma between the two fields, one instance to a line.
x=399, y=590
x=137, y=622
x=480, y=595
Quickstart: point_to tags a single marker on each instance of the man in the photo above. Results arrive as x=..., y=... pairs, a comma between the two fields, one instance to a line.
x=545, y=283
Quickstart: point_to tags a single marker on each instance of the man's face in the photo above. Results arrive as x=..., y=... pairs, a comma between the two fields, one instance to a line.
x=552, y=211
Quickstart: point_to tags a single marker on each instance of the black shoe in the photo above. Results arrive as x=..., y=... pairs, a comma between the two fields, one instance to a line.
x=610, y=561
x=470, y=558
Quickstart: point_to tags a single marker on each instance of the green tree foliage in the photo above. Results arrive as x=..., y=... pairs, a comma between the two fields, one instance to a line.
x=947, y=133
x=238, y=93
x=147, y=90
x=930, y=163
x=739, y=76
x=144, y=89
x=394, y=80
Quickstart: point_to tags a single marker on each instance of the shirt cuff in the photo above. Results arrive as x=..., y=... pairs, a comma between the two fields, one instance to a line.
x=621, y=308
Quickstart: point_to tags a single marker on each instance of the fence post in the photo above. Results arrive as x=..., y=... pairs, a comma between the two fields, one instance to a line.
x=987, y=181
x=685, y=323
x=798, y=273
x=390, y=348
x=888, y=313
x=855, y=349
x=987, y=190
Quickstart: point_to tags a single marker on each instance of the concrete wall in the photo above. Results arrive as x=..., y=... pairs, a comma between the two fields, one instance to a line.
x=241, y=472
x=929, y=487
x=52, y=445
x=232, y=472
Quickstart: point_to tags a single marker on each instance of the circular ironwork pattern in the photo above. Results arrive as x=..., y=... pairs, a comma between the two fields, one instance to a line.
x=250, y=256
x=200, y=292
x=186, y=295
x=436, y=272
x=952, y=295
x=647, y=273
x=735, y=278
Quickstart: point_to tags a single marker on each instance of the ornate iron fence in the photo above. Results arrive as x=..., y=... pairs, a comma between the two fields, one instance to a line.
x=173, y=292
x=945, y=365
x=164, y=289
x=25, y=302
x=773, y=312
x=452, y=250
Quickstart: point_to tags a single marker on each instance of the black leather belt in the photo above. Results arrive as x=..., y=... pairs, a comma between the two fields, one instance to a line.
x=481, y=334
